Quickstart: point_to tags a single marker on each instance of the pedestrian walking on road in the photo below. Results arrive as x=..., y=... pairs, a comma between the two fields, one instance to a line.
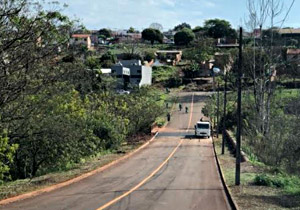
x=180, y=107
x=186, y=109
x=168, y=117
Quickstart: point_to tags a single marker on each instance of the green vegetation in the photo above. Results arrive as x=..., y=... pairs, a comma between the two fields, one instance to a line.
x=280, y=147
x=182, y=26
x=56, y=108
x=262, y=187
x=152, y=35
x=184, y=36
x=104, y=33
x=168, y=76
x=217, y=28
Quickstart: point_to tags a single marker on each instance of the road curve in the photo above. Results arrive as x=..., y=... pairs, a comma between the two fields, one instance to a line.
x=175, y=172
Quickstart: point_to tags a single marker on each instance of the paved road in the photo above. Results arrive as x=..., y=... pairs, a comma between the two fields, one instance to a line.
x=173, y=172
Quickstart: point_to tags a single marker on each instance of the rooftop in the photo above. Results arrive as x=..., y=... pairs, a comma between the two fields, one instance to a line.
x=81, y=35
x=289, y=31
x=293, y=51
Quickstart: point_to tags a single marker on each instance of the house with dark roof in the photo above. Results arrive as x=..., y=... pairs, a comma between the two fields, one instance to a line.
x=132, y=72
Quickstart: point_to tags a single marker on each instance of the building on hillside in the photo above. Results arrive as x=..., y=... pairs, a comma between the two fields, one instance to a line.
x=81, y=40
x=132, y=72
x=290, y=32
x=172, y=57
x=227, y=43
x=293, y=57
x=223, y=61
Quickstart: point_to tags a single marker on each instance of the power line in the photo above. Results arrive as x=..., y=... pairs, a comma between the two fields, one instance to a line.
x=284, y=19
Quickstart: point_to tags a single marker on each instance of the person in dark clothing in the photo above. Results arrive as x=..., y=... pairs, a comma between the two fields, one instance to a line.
x=168, y=117
x=180, y=107
x=186, y=109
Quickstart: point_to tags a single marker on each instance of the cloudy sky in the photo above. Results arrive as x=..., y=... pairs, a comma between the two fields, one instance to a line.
x=121, y=14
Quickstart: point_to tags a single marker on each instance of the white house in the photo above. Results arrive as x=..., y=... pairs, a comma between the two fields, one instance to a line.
x=133, y=72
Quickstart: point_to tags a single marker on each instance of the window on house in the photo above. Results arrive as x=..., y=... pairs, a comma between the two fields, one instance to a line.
x=139, y=71
x=84, y=39
x=76, y=39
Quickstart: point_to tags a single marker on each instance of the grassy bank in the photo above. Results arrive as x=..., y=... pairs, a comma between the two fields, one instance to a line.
x=262, y=187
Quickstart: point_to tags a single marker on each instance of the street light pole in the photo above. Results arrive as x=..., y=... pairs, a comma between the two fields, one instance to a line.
x=214, y=90
x=239, y=108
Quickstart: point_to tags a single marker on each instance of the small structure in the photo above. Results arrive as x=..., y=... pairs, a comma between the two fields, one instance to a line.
x=172, y=57
x=133, y=72
x=227, y=43
x=81, y=40
x=293, y=55
x=106, y=71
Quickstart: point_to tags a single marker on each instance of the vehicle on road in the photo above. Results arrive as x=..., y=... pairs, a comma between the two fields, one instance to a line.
x=202, y=129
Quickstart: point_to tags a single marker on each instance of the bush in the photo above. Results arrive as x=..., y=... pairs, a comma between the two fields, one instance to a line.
x=166, y=75
x=277, y=180
x=263, y=180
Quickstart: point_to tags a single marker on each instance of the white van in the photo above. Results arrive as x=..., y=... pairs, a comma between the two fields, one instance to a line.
x=202, y=129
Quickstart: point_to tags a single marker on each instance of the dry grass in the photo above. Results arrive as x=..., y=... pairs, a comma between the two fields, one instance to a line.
x=10, y=189
x=247, y=195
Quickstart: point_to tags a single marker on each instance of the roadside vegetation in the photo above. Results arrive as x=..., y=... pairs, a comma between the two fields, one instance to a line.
x=56, y=108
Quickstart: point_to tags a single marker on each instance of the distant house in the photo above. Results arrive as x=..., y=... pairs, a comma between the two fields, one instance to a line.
x=132, y=72
x=293, y=57
x=290, y=32
x=172, y=57
x=81, y=39
x=227, y=43
x=124, y=36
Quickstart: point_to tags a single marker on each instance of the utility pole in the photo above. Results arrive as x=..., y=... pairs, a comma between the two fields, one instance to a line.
x=239, y=108
x=224, y=113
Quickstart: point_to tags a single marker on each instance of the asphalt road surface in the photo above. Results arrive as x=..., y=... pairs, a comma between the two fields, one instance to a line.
x=175, y=171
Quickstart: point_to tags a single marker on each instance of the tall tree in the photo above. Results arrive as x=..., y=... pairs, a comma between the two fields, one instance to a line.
x=152, y=35
x=217, y=28
x=106, y=33
x=184, y=37
x=182, y=26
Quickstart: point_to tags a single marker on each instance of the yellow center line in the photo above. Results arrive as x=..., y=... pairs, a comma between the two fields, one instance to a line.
x=191, y=115
x=153, y=173
x=142, y=182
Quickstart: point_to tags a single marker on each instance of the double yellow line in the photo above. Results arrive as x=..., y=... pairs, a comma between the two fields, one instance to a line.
x=154, y=172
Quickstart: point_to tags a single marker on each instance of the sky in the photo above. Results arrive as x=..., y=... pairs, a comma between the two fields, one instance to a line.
x=122, y=14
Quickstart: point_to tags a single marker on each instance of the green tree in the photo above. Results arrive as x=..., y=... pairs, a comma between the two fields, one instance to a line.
x=217, y=28
x=198, y=29
x=7, y=152
x=152, y=35
x=184, y=37
x=108, y=59
x=105, y=33
x=131, y=30
x=182, y=26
